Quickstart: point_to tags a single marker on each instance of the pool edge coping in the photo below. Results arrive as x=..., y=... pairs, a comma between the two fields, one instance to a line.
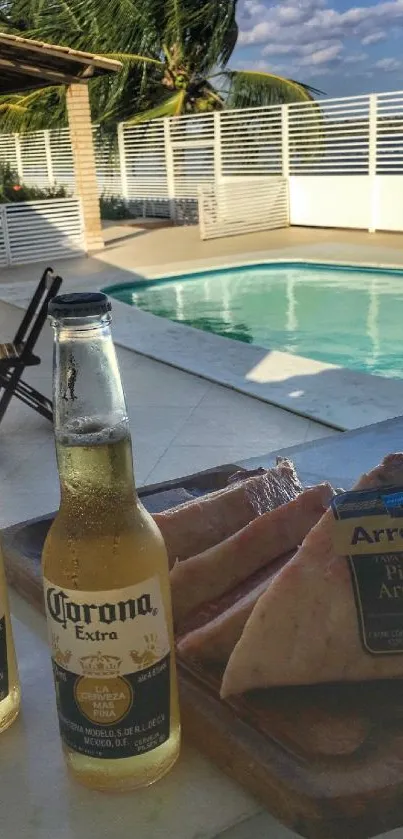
x=155, y=272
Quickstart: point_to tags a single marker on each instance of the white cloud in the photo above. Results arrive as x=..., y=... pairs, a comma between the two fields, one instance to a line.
x=388, y=65
x=279, y=49
x=324, y=56
x=373, y=38
x=355, y=58
x=312, y=37
x=295, y=49
x=296, y=21
x=253, y=7
x=257, y=35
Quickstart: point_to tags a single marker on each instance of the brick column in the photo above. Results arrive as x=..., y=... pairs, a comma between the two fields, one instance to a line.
x=78, y=108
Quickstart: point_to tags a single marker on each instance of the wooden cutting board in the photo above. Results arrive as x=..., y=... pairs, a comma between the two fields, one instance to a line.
x=325, y=760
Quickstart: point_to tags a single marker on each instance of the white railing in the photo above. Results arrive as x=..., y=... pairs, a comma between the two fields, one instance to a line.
x=389, y=134
x=330, y=138
x=36, y=230
x=251, y=141
x=342, y=158
x=143, y=168
x=242, y=206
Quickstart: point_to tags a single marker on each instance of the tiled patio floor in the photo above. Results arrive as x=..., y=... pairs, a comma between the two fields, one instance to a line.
x=130, y=250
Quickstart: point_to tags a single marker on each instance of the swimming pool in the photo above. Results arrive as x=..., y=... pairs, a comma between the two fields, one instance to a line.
x=343, y=315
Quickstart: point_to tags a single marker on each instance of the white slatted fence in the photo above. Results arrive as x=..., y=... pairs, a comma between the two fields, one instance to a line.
x=107, y=166
x=8, y=150
x=143, y=168
x=37, y=230
x=251, y=142
x=34, y=159
x=243, y=206
x=342, y=158
x=62, y=167
x=389, y=134
x=329, y=137
x=191, y=157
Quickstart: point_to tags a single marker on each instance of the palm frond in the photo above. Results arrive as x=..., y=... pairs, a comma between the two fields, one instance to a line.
x=10, y=107
x=130, y=26
x=198, y=35
x=175, y=18
x=28, y=99
x=169, y=108
x=44, y=108
x=66, y=10
x=223, y=32
x=205, y=30
x=5, y=20
x=132, y=58
x=180, y=104
x=252, y=88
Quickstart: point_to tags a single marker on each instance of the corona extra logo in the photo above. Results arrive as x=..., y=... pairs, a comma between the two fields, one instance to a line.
x=64, y=611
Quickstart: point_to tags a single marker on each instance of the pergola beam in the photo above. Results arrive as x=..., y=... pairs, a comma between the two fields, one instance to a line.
x=61, y=53
x=47, y=75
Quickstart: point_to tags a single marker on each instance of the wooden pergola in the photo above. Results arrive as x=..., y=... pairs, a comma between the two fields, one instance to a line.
x=27, y=65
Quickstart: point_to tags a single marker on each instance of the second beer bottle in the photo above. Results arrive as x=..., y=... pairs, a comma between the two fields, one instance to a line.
x=105, y=571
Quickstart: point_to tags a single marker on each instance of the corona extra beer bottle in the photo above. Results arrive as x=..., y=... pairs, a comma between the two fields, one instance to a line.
x=105, y=571
x=10, y=692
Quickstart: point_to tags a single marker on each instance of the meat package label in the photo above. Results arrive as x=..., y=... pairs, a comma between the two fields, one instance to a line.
x=369, y=531
x=368, y=521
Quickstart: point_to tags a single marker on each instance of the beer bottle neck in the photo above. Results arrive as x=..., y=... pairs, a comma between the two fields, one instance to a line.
x=90, y=417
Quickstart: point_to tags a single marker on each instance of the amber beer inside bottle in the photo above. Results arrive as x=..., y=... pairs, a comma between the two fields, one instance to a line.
x=105, y=572
x=10, y=691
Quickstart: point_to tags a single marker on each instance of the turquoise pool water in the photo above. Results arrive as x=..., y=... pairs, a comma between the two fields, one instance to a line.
x=344, y=316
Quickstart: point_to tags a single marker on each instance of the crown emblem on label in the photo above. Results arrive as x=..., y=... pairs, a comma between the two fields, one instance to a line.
x=58, y=656
x=100, y=665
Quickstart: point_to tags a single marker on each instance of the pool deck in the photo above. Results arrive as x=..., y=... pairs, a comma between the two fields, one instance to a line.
x=340, y=398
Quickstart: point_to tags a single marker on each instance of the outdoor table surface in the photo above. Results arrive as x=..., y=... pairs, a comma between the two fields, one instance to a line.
x=195, y=801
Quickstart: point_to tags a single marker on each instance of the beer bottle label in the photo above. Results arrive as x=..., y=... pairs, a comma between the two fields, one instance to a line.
x=111, y=665
x=4, y=689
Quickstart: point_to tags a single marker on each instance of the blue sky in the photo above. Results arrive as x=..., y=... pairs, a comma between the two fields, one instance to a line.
x=339, y=47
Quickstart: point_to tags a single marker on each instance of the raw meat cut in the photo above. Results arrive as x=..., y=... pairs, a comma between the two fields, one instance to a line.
x=206, y=576
x=304, y=629
x=197, y=525
x=242, y=474
x=219, y=624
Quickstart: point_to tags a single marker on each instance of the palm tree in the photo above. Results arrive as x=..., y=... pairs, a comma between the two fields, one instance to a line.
x=174, y=54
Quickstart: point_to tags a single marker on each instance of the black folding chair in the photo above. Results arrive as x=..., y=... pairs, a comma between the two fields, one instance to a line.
x=14, y=357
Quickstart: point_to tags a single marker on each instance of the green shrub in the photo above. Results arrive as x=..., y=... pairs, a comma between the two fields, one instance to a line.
x=12, y=190
x=113, y=207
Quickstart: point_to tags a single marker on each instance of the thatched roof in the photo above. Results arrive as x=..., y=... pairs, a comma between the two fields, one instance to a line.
x=26, y=64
